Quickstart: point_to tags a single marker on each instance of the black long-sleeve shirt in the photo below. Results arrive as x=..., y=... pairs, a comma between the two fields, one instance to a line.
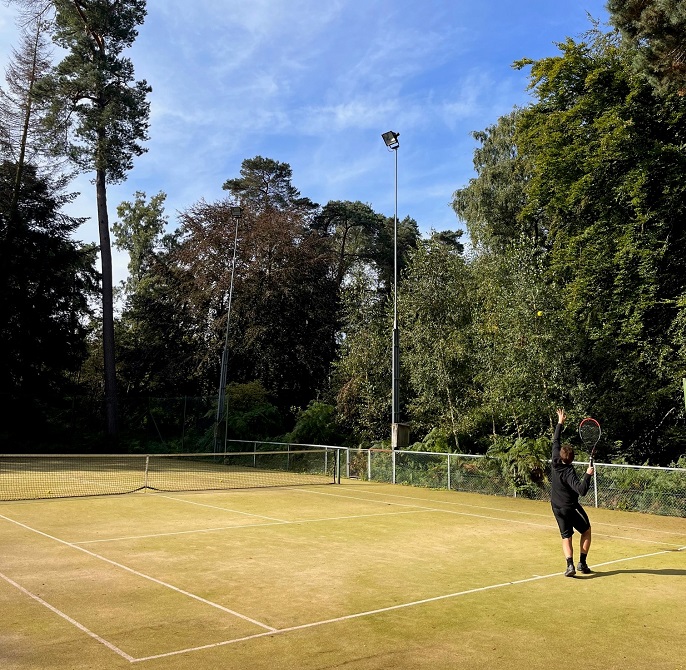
x=566, y=487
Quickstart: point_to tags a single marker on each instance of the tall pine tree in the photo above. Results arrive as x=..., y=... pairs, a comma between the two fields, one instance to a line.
x=93, y=91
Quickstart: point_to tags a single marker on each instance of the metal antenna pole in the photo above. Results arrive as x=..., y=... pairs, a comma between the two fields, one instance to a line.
x=225, y=354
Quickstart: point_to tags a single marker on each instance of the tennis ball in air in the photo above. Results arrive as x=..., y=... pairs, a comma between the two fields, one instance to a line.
x=539, y=313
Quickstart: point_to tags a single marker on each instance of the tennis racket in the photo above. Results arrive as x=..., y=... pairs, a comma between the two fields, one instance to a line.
x=589, y=432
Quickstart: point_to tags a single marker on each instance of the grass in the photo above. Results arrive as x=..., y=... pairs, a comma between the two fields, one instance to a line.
x=361, y=575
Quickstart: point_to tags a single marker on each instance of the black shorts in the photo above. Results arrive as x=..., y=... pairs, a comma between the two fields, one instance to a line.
x=569, y=518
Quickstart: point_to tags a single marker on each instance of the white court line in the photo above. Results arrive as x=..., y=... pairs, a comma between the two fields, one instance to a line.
x=225, y=509
x=142, y=575
x=238, y=526
x=81, y=627
x=512, y=511
x=382, y=610
x=273, y=631
x=416, y=508
x=482, y=516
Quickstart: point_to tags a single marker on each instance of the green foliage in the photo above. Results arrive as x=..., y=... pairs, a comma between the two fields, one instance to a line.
x=249, y=413
x=435, y=339
x=491, y=203
x=139, y=232
x=361, y=374
x=265, y=184
x=93, y=87
x=606, y=174
x=46, y=281
x=316, y=424
x=521, y=462
x=655, y=31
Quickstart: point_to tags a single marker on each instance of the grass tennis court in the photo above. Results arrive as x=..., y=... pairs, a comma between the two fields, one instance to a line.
x=360, y=575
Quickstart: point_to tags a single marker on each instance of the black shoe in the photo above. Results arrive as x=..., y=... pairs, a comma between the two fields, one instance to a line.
x=570, y=571
x=583, y=569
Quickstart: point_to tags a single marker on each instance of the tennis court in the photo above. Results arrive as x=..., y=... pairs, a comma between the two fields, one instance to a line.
x=356, y=575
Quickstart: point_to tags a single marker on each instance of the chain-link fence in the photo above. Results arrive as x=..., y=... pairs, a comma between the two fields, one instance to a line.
x=625, y=487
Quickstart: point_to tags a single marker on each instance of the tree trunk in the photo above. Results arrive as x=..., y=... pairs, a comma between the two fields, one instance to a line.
x=107, y=309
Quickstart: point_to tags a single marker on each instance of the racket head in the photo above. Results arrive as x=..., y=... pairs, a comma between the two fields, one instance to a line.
x=589, y=432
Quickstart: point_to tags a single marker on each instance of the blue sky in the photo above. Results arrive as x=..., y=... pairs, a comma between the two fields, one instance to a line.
x=314, y=83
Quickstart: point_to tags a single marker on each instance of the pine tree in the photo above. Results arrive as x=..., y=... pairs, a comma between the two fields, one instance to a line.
x=93, y=93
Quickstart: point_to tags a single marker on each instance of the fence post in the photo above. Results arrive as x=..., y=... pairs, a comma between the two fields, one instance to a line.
x=393, y=466
x=595, y=484
x=449, y=488
x=369, y=465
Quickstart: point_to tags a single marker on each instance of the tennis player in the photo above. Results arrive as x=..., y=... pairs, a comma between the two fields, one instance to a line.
x=564, y=497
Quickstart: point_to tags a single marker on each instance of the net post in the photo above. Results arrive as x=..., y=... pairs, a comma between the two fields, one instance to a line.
x=145, y=478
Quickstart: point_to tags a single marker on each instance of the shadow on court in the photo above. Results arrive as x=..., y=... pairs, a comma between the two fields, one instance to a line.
x=667, y=572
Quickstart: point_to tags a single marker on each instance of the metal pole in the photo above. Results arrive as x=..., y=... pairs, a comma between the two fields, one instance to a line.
x=395, y=413
x=225, y=353
x=390, y=138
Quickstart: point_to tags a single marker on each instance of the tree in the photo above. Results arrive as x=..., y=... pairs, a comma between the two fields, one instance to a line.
x=492, y=202
x=524, y=345
x=656, y=33
x=139, y=232
x=283, y=315
x=23, y=139
x=265, y=184
x=46, y=281
x=92, y=91
x=575, y=213
x=352, y=228
x=607, y=176
x=156, y=355
x=435, y=312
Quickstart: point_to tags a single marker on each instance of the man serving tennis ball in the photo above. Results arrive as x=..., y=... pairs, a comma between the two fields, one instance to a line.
x=566, y=487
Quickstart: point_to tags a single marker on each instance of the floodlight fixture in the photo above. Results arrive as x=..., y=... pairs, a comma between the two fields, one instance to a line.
x=391, y=139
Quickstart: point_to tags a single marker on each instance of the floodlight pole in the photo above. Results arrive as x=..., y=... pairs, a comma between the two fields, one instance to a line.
x=236, y=215
x=395, y=415
x=391, y=140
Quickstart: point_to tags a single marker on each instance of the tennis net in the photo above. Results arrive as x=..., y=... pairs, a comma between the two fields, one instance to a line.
x=29, y=477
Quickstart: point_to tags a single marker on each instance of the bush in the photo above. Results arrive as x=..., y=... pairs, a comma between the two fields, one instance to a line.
x=316, y=425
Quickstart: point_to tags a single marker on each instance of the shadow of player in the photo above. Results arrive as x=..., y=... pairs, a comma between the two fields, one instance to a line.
x=666, y=572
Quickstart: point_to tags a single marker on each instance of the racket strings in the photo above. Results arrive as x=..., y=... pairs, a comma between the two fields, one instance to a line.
x=590, y=435
x=589, y=431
